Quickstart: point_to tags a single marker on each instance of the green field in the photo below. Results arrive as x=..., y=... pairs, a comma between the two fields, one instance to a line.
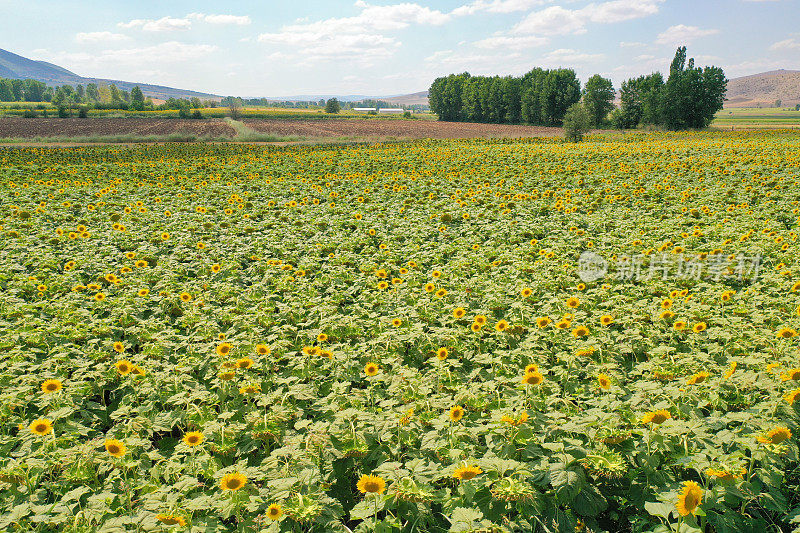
x=757, y=118
x=432, y=336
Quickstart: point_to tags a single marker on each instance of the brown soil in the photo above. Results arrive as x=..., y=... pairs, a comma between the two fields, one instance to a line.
x=396, y=129
x=16, y=127
x=368, y=128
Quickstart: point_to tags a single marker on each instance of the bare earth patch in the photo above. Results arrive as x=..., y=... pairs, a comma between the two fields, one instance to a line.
x=360, y=129
x=398, y=129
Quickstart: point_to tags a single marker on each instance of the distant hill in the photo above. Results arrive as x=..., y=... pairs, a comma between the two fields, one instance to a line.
x=406, y=99
x=17, y=67
x=761, y=90
x=420, y=98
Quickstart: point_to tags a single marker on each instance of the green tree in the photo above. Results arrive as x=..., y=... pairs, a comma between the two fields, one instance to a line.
x=6, y=90
x=332, y=106
x=530, y=92
x=137, y=99
x=692, y=95
x=92, y=93
x=640, y=101
x=577, y=122
x=560, y=90
x=598, y=96
x=445, y=96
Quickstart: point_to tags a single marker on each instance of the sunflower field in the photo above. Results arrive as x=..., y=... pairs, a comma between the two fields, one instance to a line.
x=402, y=337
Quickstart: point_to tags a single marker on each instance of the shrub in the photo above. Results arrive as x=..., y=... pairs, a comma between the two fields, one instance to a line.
x=577, y=122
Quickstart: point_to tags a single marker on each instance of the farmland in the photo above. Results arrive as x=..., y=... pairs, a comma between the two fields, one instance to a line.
x=437, y=335
x=314, y=129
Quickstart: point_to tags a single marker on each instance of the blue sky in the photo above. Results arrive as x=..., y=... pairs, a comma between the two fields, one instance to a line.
x=386, y=47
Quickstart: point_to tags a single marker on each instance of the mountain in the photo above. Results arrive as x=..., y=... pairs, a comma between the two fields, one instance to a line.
x=17, y=67
x=420, y=98
x=762, y=90
x=405, y=99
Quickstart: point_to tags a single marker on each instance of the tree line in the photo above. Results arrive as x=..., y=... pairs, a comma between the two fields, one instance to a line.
x=68, y=97
x=687, y=99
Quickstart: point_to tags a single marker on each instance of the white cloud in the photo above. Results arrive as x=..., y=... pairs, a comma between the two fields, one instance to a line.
x=631, y=44
x=235, y=20
x=787, y=44
x=511, y=43
x=100, y=37
x=162, y=24
x=169, y=52
x=556, y=20
x=682, y=34
x=360, y=37
x=497, y=6
x=566, y=56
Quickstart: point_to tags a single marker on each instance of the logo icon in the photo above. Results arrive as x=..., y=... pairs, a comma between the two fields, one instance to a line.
x=591, y=267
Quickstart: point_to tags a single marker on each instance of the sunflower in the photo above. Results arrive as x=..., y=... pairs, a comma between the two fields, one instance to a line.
x=724, y=475
x=216, y=267
x=456, y=413
x=99, y=297
x=791, y=375
x=381, y=273
x=143, y=292
x=141, y=263
x=656, y=417
x=262, y=349
x=119, y=347
x=532, y=378
x=475, y=327
x=171, y=520
x=466, y=472
x=700, y=326
x=730, y=370
x=689, y=499
x=776, y=435
x=115, y=448
x=441, y=354
x=604, y=381
x=165, y=236
x=371, y=369
x=786, y=333
x=666, y=303
x=501, y=326
x=580, y=331
x=397, y=322
x=124, y=367
x=606, y=320
x=526, y=292
x=224, y=349
x=186, y=297
x=137, y=370
x=441, y=293
x=480, y=320
x=792, y=396
x=226, y=376
x=232, y=481
x=274, y=511
x=573, y=302
x=51, y=385
x=679, y=325
x=41, y=427
x=193, y=438
x=459, y=312
x=250, y=389
x=430, y=287
x=383, y=285
x=244, y=362
x=699, y=377
x=322, y=337
x=542, y=322
x=371, y=484
x=563, y=324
